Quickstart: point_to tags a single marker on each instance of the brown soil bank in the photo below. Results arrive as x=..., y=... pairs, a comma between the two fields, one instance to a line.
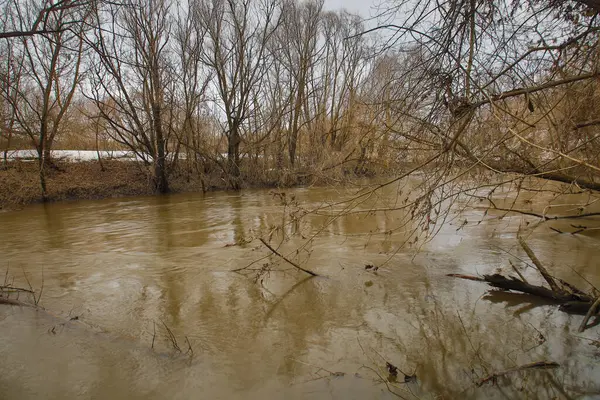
x=20, y=185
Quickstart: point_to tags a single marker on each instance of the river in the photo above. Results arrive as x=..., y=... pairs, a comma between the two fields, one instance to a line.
x=120, y=276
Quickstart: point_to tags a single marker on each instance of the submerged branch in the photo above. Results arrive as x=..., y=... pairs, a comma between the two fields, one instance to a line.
x=535, y=365
x=287, y=259
x=15, y=289
x=13, y=302
x=512, y=283
x=590, y=313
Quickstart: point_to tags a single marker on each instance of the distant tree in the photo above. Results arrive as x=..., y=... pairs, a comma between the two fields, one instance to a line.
x=45, y=72
x=235, y=48
x=132, y=79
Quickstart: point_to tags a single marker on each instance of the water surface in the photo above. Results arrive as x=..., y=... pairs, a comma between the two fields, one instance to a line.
x=117, y=272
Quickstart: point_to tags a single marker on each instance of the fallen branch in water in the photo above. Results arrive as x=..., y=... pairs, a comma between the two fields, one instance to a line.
x=286, y=259
x=15, y=289
x=592, y=311
x=571, y=302
x=12, y=302
x=7, y=289
x=513, y=283
x=571, y=299
x=468, y=277
x=535, y=365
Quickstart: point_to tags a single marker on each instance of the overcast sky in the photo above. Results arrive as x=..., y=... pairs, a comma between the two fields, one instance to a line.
x=362, y=7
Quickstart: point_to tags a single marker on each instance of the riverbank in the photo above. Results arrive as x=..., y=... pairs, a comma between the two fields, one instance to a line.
x=86, y=180
x=20, y=185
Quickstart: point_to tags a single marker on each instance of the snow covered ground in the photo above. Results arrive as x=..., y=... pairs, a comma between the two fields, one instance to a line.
x=72, y=155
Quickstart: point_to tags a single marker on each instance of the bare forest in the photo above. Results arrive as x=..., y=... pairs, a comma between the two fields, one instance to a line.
x=288, y=91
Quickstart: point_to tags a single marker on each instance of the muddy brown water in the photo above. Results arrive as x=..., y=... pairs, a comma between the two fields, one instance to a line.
x=116, y=272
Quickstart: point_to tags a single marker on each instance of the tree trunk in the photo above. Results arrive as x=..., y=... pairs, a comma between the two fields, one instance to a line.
x=233, y=156
x=160, y=174
x=41, y=167
x=294, y=129
x=292, y=147
x=5, y=153
x=47, y=154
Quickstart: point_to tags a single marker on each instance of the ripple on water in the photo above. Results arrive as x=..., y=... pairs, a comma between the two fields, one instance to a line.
x=130, y=265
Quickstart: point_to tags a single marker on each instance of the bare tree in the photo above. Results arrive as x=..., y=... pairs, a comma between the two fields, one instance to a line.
x=11, y=72
x=298, y=46
x=43, y=87
x=340, y=66
x=193, y=79
x=237, y=35
x=132, y=79
x=42, y=24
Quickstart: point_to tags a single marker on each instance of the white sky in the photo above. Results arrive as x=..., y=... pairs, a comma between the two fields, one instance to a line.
x=362, y=7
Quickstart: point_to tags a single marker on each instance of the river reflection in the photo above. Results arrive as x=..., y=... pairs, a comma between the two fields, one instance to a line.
x=130, y=268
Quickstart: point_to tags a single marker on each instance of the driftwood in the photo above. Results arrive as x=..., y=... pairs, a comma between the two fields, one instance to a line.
x=574, y=300
x=571, y=299
x=513, y=283
x=535, y=365
x=570, y=302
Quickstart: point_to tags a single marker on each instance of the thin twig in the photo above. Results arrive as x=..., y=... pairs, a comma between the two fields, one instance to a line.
x=153, y=334
x=41, y=290
x=517, y=271
x=514, y=255
x=385, y=382
x=535, y=365
x=331, y=373
x=468, y=277
x=190, y=350
x=30, y=287
x=286, y=259
x=172, y=338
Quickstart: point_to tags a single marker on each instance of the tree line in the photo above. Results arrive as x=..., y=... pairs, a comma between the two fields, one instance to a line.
x=504, y=85
x=164, y=79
